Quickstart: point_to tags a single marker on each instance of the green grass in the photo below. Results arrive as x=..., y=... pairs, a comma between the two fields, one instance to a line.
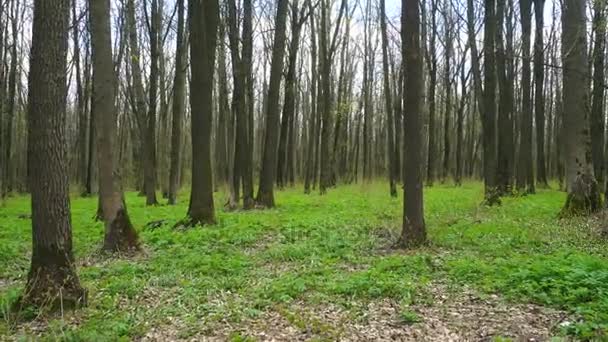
x=316, y=249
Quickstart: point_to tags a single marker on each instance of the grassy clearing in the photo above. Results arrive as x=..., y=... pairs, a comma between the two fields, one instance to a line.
x=310, y=249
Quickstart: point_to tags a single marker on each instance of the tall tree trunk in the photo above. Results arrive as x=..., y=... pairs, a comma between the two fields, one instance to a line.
x=52, y=277
x=265, y=195
x=539, y=95
x=597, y=108
x=146, y=127
x=120, y=235
x=241, y=70
x=460, y=127
x=150, y=171
x=505, y=107
x=414, y=229
x=432, y=66
x=525, y=171
x=290, y=96
x=11, y=110
x=488, y=119
x=203, y=22
x=179, y=85
x=448, y=91
x=392, y=171
x=583, y=191
x=312, y=132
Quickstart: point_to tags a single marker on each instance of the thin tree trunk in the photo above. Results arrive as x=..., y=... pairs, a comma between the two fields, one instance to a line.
x=525, y=171
x=539, y=95
x=597, y=109
x=179, y=85
x=265, y=195
x=388, y=103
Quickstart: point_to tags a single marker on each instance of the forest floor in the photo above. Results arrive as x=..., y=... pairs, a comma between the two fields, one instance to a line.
x=324, y=268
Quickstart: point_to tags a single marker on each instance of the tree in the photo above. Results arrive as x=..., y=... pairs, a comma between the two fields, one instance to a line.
x=119, y=232
x=597, y=106
x=328, y=46
x=203, y=21
x=448, y=33
x=265, y=195
x=286, y=132
x=153, y=81
x=179, y=85
x=146, y=127
x=242, y=166
x=525, y=172
x=414, y=229
x=539, y=96
x=392, y=171
x=505, y=112
x=432, y=66
x=583, y=191
x=488, y=114
x=52, y=277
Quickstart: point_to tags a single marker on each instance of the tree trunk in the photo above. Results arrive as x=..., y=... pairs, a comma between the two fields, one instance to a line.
x=505, y=112
x=120, y=236
x=414, y=229
x=597, y=109
x=179, y=85
x=525, y=171
x=488, y=119
x=432, y=66
x=290, y=96
x=241, y=70
x=583, y=191
x=448, y=92
x=12, y=86
x=204, y=20
x=52, y=277
x=150, y=171
x=265, y=195
x=388, y=103
x=539, y=95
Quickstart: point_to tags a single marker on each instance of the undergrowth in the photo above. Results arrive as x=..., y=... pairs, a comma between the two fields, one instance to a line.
x=316, y=249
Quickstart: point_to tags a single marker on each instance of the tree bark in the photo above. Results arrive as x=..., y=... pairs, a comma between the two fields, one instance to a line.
x=265, y=195
x=525, y=171
x=120, y=236
x=179, y=85
x=583, y=193
x=203, y=21
x=597, y=107
x=539, y=95
x=489, y=113
x=52, y=277
x=392, y=172
x=505, y=112
x=414, y=229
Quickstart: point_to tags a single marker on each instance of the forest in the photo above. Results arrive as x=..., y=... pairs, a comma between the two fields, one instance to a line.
x=303, y=170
